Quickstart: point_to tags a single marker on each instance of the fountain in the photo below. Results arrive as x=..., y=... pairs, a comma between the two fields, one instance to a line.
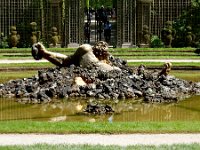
x=93, y=81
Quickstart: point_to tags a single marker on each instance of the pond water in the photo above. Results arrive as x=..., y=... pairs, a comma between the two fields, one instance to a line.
x=125, y=110
x=71, y=110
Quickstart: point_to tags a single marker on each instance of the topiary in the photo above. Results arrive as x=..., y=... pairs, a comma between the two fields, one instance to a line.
x=54, y=36
x=156, y=42
x=14, y=37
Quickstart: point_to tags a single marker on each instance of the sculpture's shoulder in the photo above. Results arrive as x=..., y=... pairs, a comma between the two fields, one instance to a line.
x=85, y=47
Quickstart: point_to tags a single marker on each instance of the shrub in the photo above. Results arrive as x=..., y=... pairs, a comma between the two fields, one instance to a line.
x=156, y=42
x=3, y=41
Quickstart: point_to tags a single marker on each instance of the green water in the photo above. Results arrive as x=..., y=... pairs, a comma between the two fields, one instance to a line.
x=126, y=110
x=71, y=110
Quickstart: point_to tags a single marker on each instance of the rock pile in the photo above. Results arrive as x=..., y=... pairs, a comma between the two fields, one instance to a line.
x=127, y=83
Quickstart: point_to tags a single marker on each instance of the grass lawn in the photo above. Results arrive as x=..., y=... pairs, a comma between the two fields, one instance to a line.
x=37, y=65
x=111, y=49
x=99, y=127
x=126, y=53
x=160, y=64
x=99, y=147
x=23, y=66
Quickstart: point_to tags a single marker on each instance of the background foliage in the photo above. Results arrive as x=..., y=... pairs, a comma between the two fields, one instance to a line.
x=190, y=18
x=105, y=3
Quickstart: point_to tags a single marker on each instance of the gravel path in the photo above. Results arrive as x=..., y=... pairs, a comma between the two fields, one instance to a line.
x=94, y=139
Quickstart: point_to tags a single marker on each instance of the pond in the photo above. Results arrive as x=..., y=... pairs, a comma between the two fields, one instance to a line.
x=125, y=110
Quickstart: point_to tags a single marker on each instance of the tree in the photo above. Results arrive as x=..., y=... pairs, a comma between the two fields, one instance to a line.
x=189, y=18
x=99, y=3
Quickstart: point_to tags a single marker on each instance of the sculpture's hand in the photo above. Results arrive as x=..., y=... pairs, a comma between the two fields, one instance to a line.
x=37, y=51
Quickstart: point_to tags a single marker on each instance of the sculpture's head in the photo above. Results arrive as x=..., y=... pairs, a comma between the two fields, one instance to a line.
x=100, y=50
x=169, y=24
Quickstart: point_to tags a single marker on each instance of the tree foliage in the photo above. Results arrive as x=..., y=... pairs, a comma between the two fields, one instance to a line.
x=99, y=3
x=189, y=19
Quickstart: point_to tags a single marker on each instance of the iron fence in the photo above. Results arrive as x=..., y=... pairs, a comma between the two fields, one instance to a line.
x=68, y=17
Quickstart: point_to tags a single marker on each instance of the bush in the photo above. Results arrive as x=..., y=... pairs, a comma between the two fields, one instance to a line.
x=156, y=42
x=3, y=41
x=24, y=32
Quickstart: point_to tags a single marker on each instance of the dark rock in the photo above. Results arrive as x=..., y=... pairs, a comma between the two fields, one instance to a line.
x=90, y=93
x=43, y=97
x=100, y=96
x=138, y=93
x=64, y=92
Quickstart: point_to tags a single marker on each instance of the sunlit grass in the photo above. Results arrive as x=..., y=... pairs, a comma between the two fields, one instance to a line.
x=111, y=49
x=12, y=75
x=160, y=64
x=99, y=127
x=126, y=53
x=48, y=64
x=27, y=65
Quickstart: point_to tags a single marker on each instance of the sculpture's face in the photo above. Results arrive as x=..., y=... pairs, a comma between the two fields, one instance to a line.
x=100, y=50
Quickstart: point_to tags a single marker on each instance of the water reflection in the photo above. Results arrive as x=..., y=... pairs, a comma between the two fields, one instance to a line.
x=71, y=110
